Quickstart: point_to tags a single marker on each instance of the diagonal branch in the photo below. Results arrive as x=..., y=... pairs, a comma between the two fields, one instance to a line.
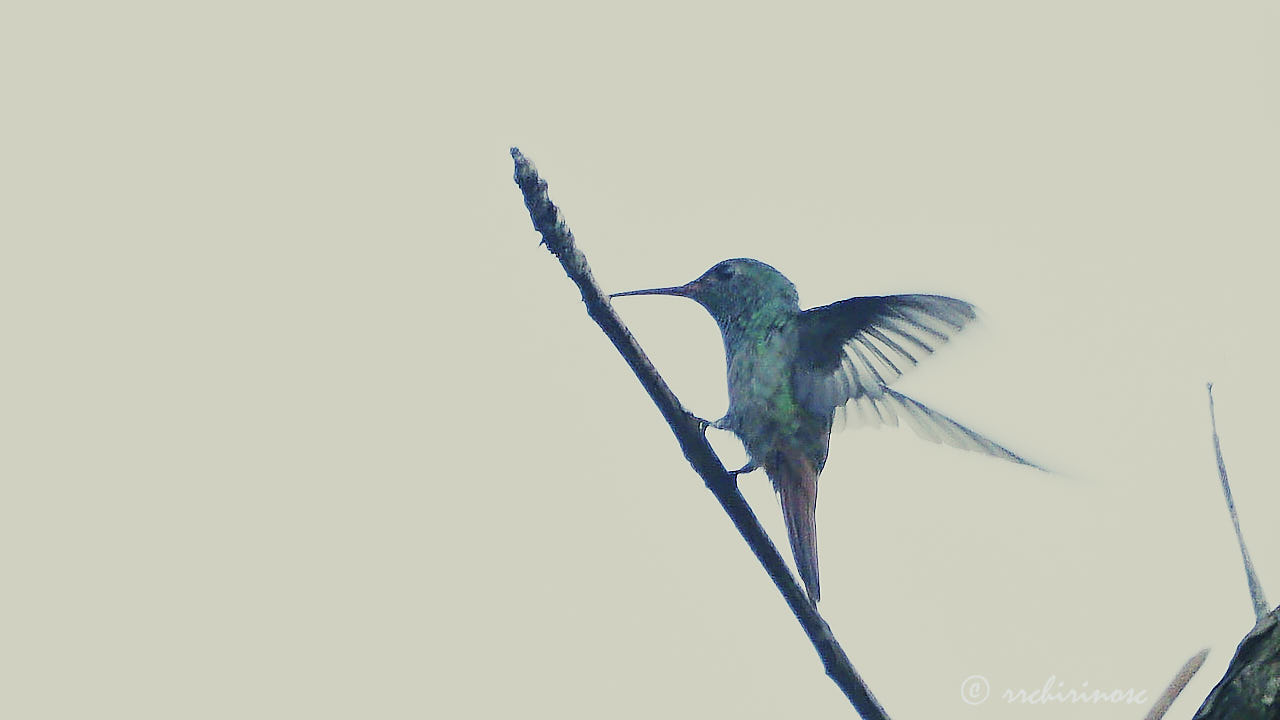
x=556, y=235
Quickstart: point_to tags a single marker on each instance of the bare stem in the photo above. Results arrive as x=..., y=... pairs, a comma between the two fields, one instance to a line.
x=1255, y=588
x=556, y=235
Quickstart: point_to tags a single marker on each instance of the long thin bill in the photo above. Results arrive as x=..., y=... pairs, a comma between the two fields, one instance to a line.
x=678, y=290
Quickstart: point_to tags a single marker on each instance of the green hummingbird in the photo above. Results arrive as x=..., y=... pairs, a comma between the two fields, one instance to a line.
x=789, y=371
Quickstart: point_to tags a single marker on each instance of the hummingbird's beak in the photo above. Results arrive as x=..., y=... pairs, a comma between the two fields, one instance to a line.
x=680, y=290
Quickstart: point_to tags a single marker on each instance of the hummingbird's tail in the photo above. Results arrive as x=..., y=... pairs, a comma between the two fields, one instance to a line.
x=796, y=480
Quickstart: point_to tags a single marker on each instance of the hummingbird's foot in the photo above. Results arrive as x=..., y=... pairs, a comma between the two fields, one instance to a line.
x=721, y=424
x=751, y=466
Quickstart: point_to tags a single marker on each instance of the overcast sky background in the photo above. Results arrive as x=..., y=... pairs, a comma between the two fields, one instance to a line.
x=300, y=421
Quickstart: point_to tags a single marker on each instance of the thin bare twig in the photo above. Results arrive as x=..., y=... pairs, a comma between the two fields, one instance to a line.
x=1177, y=685
x=1260, y=607
x=556, y=235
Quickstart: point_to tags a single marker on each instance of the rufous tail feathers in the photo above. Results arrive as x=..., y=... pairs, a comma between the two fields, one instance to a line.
x=796, y=480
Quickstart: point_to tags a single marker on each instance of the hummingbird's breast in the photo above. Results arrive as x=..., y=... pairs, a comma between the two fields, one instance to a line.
x=762, y=407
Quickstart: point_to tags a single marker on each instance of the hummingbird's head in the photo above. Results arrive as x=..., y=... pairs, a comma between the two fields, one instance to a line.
x=733, y=289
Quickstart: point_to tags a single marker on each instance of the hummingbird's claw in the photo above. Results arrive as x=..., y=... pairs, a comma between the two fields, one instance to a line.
x=702, y=424
x=751, y=466
x=721, y=424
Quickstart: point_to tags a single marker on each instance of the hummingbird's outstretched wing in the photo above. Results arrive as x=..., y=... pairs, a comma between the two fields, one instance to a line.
x=858, y=346
x=851, y=350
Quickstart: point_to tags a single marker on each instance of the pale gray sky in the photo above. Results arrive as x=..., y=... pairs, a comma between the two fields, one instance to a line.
x=302, y=422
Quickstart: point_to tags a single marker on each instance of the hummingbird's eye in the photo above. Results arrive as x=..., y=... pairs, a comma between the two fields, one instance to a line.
x=724, y=272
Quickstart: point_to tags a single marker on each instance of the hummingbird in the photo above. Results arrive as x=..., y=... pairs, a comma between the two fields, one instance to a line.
x=789, y=371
